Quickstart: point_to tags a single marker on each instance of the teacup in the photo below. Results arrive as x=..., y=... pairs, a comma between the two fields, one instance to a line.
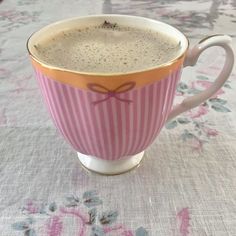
x=111, y=119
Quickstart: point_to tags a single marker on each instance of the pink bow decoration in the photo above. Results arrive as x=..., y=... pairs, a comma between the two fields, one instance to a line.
x=111, y=93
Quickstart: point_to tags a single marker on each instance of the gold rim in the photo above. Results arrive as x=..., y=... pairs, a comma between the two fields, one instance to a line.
x=46, y=65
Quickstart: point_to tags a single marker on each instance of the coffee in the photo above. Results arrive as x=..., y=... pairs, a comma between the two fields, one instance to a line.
x=108, y=48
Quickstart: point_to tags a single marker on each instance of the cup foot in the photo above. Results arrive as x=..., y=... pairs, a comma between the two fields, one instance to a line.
x=110, y=167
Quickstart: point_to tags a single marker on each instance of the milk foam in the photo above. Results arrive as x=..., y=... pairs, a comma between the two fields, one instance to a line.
x=102, y=49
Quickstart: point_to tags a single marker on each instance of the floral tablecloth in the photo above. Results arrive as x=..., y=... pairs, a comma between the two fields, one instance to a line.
x=186, y=184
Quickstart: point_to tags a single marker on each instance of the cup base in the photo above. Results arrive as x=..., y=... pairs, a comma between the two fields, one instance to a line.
x=110, y=167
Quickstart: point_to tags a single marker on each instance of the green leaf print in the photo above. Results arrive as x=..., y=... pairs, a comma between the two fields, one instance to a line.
x=21, y=225
x=108, y=217
x=171, y=124
x=220, y=108
x=141, y=232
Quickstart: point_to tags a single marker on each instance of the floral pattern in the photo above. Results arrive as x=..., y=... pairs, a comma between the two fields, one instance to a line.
x=52, y=219
x=199, y=130
x=184, y=217
x=12, y=19
x=84, y=210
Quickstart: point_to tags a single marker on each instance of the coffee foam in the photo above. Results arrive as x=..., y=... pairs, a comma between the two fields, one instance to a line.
x=108, y=49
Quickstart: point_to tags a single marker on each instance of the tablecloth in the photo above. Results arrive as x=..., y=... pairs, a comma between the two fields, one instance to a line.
x=186, y=184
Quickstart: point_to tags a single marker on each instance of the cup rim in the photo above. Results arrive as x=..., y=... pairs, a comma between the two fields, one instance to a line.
x=54, y=67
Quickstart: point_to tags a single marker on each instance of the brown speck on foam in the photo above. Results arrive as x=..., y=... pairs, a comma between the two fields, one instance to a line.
x=109, y=25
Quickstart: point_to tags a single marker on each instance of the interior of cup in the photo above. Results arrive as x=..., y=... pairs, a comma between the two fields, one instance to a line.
x=82, y=22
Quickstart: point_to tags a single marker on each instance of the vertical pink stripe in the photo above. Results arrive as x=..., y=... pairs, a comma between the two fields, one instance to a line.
x=67, y=113
x=167, y=93
x=98, y=124
x=161, y=95
x=116, y=127
x=105, y=117
x=163, y=100
x=45, y=96
x=124, y=123
x=175, y=76
x=127, y=110
x=129, y=123
x=97, y=127
x=120, y=127
x=110, y=104
x=61, y=100
x=137, y=124
x=77, y=117
x=140, y=124
x=170, y=95
x=73, y=118
x=171, y=92
x=148, y=114
x=165, y=105
x=80, y=120
x=169, y=100
x=174, y=79
x=46, y=90
x=105, y=127
x=166, y=102
x=56, y=104
x=86, y=100
x=154, y=108
x=142, y=94
x=132, y=120
x=84, y=121
x=159, y=108
x=159, y=89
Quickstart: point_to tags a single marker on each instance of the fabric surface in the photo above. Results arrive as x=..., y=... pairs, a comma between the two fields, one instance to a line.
x=186, y=183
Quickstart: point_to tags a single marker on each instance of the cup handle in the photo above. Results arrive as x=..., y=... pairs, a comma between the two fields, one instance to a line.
x=192, y=58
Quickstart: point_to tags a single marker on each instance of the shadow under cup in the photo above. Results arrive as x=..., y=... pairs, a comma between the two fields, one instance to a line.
x=109, y=128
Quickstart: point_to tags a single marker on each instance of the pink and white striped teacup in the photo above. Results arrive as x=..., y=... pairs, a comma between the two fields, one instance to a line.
x=111, y=119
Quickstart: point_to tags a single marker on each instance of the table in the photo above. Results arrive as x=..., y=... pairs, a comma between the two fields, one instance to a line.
x=186, y=184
